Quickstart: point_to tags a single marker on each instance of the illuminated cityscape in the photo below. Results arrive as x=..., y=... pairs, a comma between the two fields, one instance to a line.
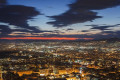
x=92, y=60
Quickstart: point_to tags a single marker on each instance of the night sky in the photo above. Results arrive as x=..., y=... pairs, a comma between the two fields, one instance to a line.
x=59, y=19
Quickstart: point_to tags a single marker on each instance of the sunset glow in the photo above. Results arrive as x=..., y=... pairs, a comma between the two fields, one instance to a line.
x=43, y=38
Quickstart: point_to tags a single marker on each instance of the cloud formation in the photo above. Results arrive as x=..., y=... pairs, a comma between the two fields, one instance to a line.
x=85, y=30
x=18, y=15
x=3, y=2
x=102, y=27
x=5, y=30
x=82, y=11
x=69, y=29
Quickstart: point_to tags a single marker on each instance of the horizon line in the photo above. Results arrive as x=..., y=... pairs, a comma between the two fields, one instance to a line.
x=44, y=38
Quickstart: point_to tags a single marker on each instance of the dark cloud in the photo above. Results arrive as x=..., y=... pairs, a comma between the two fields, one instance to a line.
x=94, y=4
x=71, y=17
x=106, y=32
x=102, y=35
x=57, y=32
x=3, y=2
x=21, y=30
x=18, y=15
x=85, y=30
x=82, y=11
x=98, y=27
x=102, y=27
x=59, y=35
x=112, y=32
x=69, y=29
x=117, y=24
x=5, y=30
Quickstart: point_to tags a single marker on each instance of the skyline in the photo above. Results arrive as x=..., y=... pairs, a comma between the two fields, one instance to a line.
x=78, y=19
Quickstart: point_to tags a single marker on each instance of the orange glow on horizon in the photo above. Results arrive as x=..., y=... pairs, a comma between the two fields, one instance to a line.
x=43, y=38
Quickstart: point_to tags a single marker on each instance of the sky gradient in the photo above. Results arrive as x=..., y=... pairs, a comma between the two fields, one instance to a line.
x=60, y=19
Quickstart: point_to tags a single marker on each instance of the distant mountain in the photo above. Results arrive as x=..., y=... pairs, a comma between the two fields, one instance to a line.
x=109, y=39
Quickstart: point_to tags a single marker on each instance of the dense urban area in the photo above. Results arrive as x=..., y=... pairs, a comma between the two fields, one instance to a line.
x=93, y=60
